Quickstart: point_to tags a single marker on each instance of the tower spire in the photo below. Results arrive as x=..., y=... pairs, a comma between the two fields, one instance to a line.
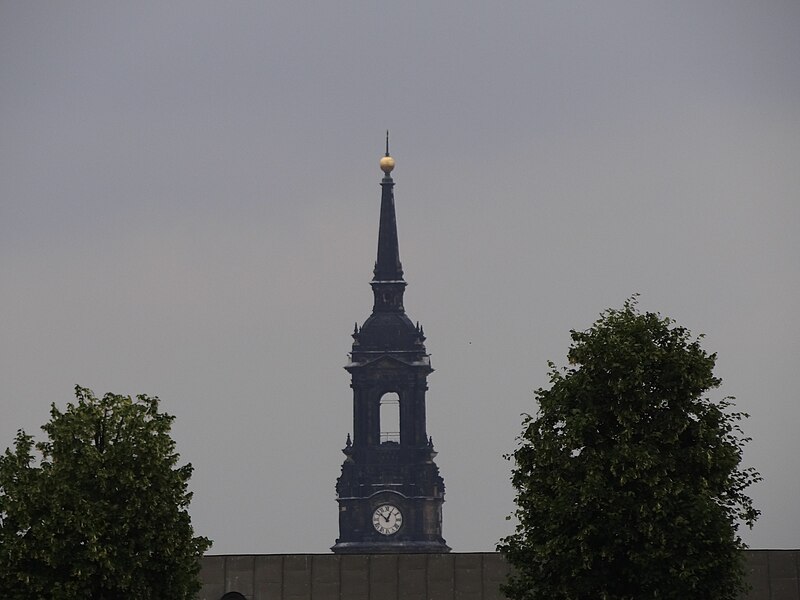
x=390, y=492
x=388, y=267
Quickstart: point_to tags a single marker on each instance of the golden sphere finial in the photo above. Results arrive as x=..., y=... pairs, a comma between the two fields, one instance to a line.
x=387, y=164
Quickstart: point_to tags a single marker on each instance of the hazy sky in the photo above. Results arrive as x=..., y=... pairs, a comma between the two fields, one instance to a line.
x=189, y=197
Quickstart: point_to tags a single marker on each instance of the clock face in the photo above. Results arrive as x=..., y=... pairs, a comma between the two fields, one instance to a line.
x=387, y=519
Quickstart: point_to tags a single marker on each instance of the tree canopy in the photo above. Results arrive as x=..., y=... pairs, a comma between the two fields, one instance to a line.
x=628, y=479
x=99, y=509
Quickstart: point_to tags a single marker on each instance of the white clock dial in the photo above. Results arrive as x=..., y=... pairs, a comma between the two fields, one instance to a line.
x=387, y=519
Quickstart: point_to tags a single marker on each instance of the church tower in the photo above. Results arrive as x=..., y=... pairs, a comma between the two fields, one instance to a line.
x=390, y=493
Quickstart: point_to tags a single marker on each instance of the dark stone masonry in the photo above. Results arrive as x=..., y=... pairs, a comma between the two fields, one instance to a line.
x=773, y=575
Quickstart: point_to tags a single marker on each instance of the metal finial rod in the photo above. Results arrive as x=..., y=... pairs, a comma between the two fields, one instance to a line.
x=387, y=142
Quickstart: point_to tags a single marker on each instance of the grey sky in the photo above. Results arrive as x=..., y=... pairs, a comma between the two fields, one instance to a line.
x=189, y=207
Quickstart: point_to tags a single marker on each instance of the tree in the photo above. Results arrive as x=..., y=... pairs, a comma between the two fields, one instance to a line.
x=99, y=511
x=628, y=480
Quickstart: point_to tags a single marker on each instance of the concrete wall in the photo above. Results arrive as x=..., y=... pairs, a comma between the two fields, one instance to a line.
x=774, y=575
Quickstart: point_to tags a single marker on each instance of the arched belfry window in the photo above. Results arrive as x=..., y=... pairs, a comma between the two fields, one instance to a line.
x=390, y=418
x=233, y=596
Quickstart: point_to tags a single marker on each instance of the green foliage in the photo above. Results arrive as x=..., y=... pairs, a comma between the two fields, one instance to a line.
x=628, y=479
x=99, y=511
